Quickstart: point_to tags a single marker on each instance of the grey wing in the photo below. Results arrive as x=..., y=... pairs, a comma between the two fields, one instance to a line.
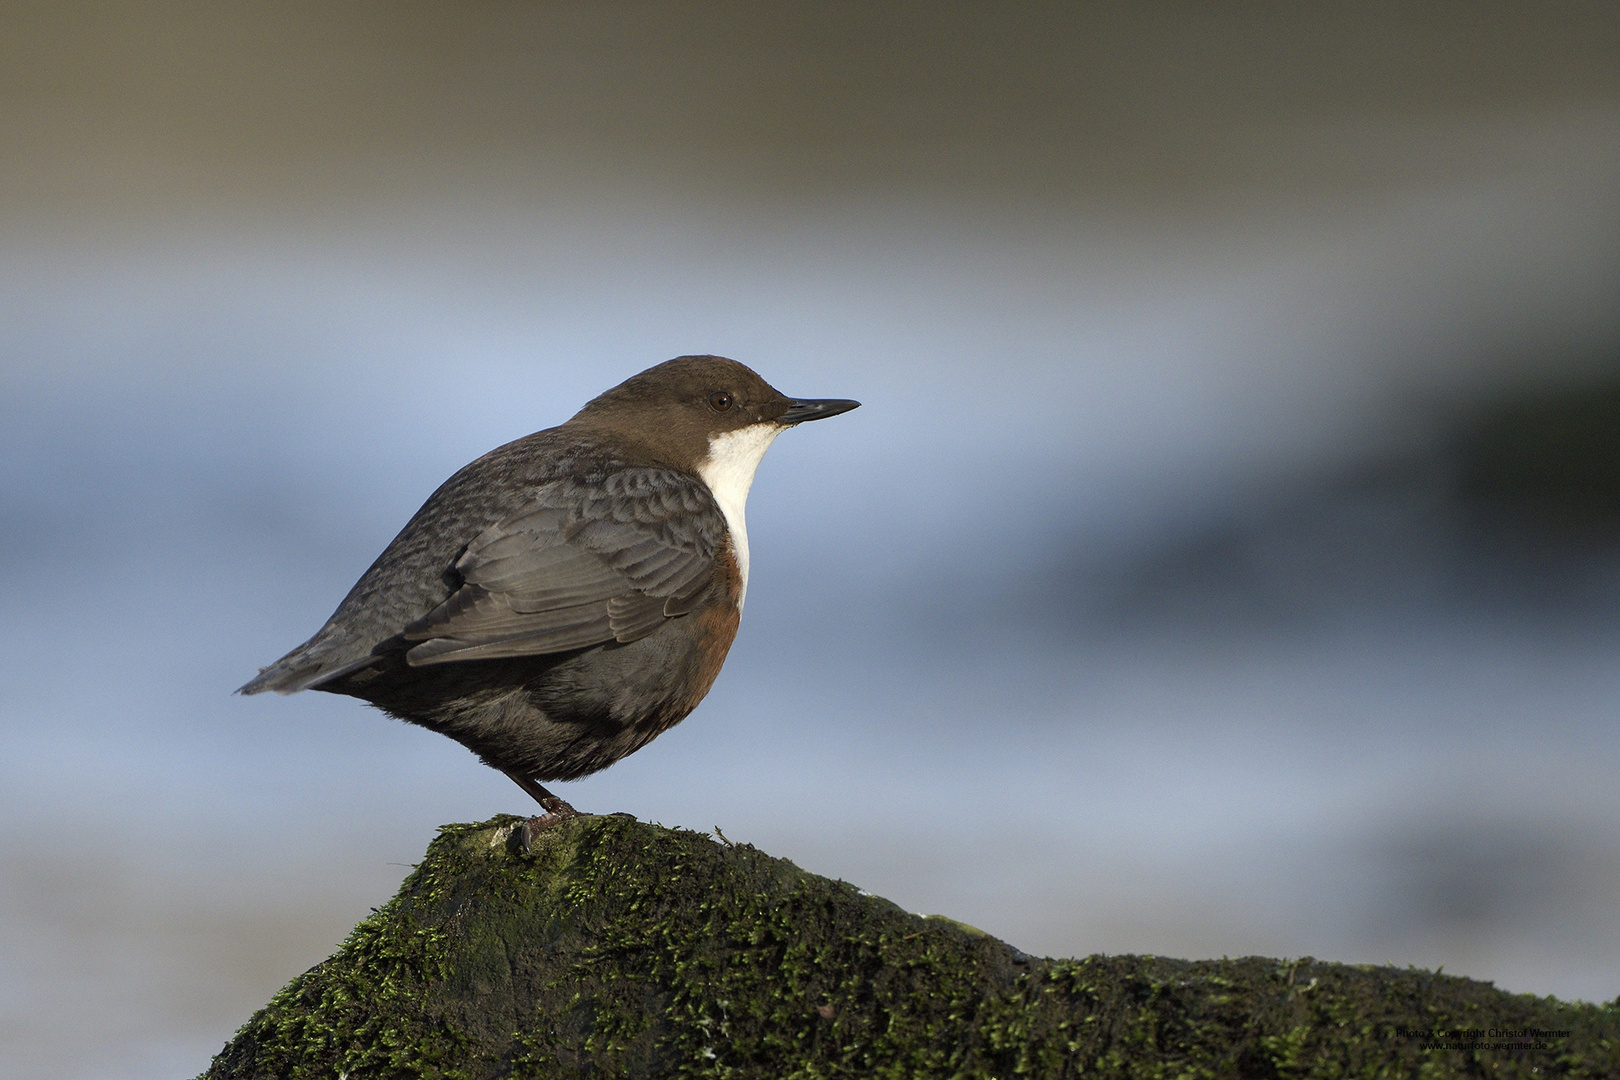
x=579, y=566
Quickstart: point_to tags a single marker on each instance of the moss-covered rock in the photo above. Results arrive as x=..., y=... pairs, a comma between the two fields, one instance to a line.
x=618, y=949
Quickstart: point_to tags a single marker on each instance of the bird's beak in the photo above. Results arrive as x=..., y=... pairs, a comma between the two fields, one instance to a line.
x=815, y=409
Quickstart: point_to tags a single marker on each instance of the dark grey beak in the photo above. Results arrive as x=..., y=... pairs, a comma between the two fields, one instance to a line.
x=815, y=409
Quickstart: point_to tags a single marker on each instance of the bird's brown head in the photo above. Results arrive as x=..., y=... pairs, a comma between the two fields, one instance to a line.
x=694, y=410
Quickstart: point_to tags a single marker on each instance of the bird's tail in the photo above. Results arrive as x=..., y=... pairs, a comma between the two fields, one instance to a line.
x=317, y=661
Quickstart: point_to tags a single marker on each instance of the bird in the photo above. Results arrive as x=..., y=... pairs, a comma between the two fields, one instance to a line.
x=561, y=601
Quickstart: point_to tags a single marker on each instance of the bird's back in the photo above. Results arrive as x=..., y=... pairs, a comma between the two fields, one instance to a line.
x=414, y=573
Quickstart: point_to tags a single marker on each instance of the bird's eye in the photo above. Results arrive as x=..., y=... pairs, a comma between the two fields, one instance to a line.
x=719, y=401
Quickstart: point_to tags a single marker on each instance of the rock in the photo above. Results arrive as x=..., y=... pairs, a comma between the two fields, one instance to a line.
x=614, y=948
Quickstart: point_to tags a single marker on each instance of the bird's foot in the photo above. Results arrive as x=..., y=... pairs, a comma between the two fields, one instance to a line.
x=556, y=812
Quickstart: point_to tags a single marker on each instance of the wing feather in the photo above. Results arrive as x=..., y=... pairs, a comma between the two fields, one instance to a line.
x=634, y=617
x=581, y=565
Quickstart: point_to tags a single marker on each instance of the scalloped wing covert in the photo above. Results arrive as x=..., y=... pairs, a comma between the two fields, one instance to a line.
x=578, y=566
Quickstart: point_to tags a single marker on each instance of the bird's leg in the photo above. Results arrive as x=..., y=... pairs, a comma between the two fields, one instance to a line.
x=549, y=802
x=555, y=809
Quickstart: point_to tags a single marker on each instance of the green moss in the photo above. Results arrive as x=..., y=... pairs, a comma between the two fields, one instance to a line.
x=619, y=949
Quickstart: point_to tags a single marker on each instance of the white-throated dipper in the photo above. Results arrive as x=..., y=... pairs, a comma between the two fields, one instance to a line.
x=565, y=598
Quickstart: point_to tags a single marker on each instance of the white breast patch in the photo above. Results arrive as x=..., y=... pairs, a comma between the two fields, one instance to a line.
x=729, y=472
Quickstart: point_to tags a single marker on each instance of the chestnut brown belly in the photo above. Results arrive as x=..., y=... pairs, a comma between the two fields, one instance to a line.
x=563, y=715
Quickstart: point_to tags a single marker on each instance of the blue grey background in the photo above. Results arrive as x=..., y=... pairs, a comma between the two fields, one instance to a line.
x=1134, y=611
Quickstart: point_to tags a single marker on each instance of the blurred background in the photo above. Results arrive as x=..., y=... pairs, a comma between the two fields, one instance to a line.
x=1225, y=561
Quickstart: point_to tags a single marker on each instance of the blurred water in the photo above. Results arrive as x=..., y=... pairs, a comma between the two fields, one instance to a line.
x=990, y=666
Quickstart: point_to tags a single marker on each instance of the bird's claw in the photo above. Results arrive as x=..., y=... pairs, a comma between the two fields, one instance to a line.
x=556, y=812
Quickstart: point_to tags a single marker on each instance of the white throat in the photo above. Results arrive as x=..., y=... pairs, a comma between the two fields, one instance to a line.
x=729, y=472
